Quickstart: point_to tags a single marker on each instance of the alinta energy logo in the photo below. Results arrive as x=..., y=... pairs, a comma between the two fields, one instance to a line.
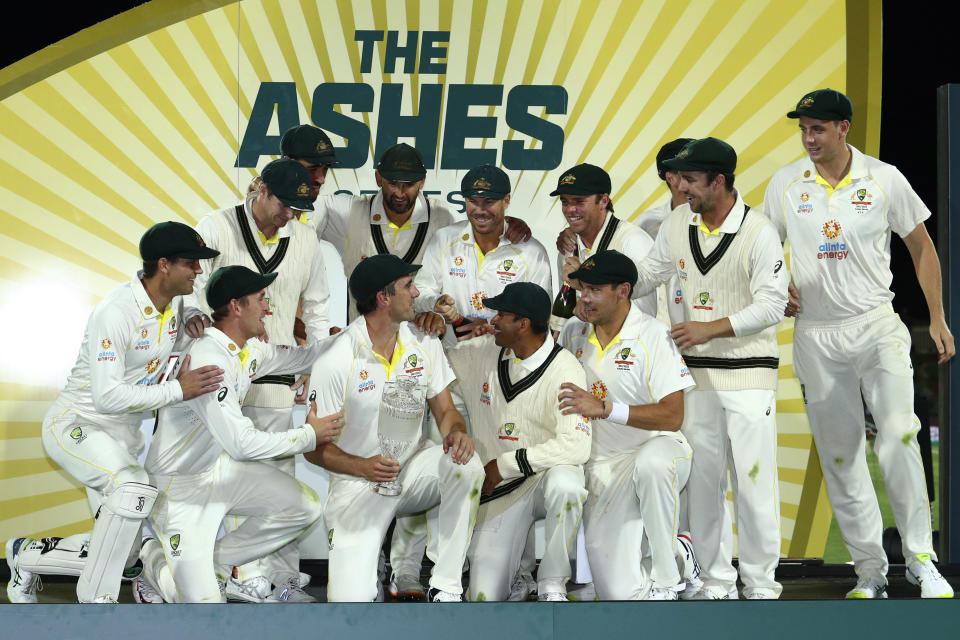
x=832, y=250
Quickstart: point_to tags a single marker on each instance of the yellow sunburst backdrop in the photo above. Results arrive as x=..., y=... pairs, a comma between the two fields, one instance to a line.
x=141, y=118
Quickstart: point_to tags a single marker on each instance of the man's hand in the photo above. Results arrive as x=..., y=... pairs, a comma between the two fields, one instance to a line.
x=327, y=428
x=196, y=324
x=943, y=339
x=460, y=446
x=335, y=330
x=302, y=387
x=566, y=242
x=474, y=329
x=300, y=332
x=793, y=303
x=430, y=323
x=517, y=230
x=493, y=477
x=447, y=308
x=254, y=184
x=379, y=469
x=690, y=334
x=198, y=381
x=573, y=399
x=570, y=264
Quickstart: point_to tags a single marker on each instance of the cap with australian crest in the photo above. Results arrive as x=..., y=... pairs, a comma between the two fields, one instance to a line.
x=824, y=104
x=486, y=181
x=172, y=240
x=290, y=182
x=583, y=180
x=401, y=163
x=376, y=272
x=524, y=299
x=606, y=267
x=705, y=154
x=310, y=144
x=235, y=281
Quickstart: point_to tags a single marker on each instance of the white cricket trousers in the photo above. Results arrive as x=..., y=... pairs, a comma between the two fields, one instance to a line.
x=357, y=519
x=277, y=508
x=498, y=540
x=283, y=564
x=739, y=429
x=631, y=494
x=836, y=362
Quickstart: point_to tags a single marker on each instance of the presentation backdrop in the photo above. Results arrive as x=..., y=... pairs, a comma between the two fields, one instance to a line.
x=167, y=111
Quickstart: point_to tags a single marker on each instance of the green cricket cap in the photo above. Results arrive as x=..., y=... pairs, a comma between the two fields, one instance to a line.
x=705, y=154
x=310, y=144
x=235, y=281
x=486, y=181
x=524, y=299
x=376, y=272
x=402, y=163
x=606, y=267
x=174, y=240
x=290, y=182
x=583, y=180
x=824, y=104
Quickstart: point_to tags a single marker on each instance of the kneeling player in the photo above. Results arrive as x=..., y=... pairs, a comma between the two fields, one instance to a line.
x=640, y=461
x=533, y=454
x=204, y=459
x=381, y=346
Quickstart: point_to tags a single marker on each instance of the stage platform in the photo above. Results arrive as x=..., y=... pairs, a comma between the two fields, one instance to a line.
x=811, y=606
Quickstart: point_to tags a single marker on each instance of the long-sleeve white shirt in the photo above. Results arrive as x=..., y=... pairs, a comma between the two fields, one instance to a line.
x=191, y=435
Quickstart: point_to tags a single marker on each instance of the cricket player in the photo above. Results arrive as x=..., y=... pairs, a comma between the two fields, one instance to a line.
x=839, y=208
x=206, y=458
x=533, y=453
x=639, y=461
x=728, y=260
x=257, y=234
x=382, y=345
x=93, y=428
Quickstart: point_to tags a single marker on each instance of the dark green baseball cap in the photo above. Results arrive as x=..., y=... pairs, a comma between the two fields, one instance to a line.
x=235, y=281
x=174, y=240
x=308, y=143
x=668, y=151
x=606, y=267
x=290, y=182
x=486, y=181
x=402, y=163
x=824, y=104
x=705, y=154
x=583, y=180
x=524, y=299
x=376, y=272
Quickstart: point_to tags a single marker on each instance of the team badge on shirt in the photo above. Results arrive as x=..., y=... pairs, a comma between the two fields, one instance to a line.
x=623, y=359
x=508, y=431
x=506, y=272
x=414, y=366
x=861, y=201
x=175, y=545
x=704, y=301
x=77, y=434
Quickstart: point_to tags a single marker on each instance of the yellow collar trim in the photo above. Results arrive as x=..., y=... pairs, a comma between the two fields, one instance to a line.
x=601, y=351
x=398, y=352
x=264, y=240
x=243, y=354
x=165, y=315
x=847, y=180
x=405, y=226
x=703, y=227
x=480, y=254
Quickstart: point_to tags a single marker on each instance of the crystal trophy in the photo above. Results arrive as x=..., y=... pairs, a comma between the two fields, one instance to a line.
x=401, y=415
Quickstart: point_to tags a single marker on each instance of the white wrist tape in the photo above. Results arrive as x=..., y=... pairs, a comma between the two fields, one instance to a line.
x=620, y=413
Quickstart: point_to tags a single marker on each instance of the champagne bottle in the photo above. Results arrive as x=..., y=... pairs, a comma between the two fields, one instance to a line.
x=563, y=306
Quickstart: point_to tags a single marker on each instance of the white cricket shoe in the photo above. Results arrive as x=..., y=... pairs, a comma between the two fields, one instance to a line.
x=406, y=587
x=255, y=589
x=552, y=596
x=658, y=592
x=922, y=573
x=438, y=595
x=23, y=585
x=144, y=591
x=688, y=566
x=291, y=592
x=869, y=588
x=305, y=580
x=524, y=588
x=713, y=593
x=761, y=593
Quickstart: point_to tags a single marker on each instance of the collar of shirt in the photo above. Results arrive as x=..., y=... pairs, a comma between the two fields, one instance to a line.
x=145, y=304
x=586, y=251
x=282, y=232
x=731, y=224
x=467, y=238
x=358, y=329
x=630, y=330
x=226, y=343
x=807, y=171
x=534, y=360
x=378, y=214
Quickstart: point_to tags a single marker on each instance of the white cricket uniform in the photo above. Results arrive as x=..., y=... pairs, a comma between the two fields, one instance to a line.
x=453, y=264
x=295, y=255
x=628, y=239
x=516, y=421
x=93, y=428
x=358, y=227
x=671, y=300
x=848, y=340
x=737, y=273
x=356, y=517
x=205, y=457
x=634, y=475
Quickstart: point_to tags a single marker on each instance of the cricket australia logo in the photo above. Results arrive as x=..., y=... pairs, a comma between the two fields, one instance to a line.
x=623, y=359
x=507, y=431
x=704, y=301
x=861, y=201
x=505, y=272
x=175, y=545
x=77, y=434
x=414, y=365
